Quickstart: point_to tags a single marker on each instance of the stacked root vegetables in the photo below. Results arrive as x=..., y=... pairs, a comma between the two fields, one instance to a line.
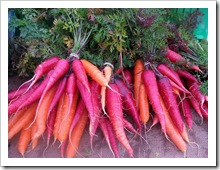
x=66, y=94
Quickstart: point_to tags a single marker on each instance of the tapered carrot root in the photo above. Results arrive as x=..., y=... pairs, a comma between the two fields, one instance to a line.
x=114, y=109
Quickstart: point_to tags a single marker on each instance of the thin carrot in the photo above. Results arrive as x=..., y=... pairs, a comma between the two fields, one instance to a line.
x=76, y=135
x=34, y=141
x=42, y=111
x=138, y=69
x=23, y=121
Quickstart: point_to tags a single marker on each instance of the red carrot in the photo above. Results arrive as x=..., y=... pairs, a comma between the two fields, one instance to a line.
x=128, y=101
x=177, y=58
x=170, y=101
x=150, y=82
x=195, y=105
x=185, y=74
x=114, y=109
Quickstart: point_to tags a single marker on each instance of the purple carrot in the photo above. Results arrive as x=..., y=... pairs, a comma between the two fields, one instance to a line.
x=170, y=101
x=129, y=126
x=128, y=101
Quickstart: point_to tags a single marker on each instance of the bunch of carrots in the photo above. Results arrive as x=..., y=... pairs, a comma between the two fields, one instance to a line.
x=66, y=94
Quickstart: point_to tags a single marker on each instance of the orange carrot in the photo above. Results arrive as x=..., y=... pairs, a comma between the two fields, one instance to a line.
x=172, y=130
x=76, y=135
x=14, y=118
x=42, y=112
x=138, y=69
x=144, y=104
x=34, y=141
x=23, y=121
x=24, y=140
x=67, y=118
x=107, y=73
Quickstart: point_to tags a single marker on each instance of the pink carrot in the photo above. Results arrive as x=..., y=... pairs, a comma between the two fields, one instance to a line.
x=170, y=101
x=177, y=58
x=42, y=69
x=63, y=147
x=59, y=93
x=109, y=135
x=185, y=74
x=114, y=109
x=150, y=82
x=162, y=68
x=87, y=99
x=195, y=105
x=80, y=73
x=36, y=94
x=95, y=94
x=128, y=101
x=129, y=126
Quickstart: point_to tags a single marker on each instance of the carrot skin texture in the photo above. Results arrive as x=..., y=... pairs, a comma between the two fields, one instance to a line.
x=128, y=101
x=172, y=130
x=23, y=121
x=138, y=69
x=150, y=82
x=114, y=109
x=42, y=111
x=170, y=101
x=87, y=99
x=76, y=135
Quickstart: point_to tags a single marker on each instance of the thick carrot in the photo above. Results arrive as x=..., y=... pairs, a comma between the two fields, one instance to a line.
x=128, y=77
x=114, y=108
x=170, y=101
x=67, y=118
x=44, y=68
x=87, y=99
x=172, y=130
x=76, y=135
x=150, y=82
x=144, y=104
x=128, y=102
x=36, y=93
x=42, y=111
x=80, y=73
x=23, y=121
x=24, y=140
x=177, y=58
x=162, y=68
x=138, y=69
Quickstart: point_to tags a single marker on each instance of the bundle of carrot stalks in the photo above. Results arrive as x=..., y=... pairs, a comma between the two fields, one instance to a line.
x=65, y=94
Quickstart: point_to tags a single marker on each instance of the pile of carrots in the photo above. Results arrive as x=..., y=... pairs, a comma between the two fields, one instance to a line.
x=66, y=94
